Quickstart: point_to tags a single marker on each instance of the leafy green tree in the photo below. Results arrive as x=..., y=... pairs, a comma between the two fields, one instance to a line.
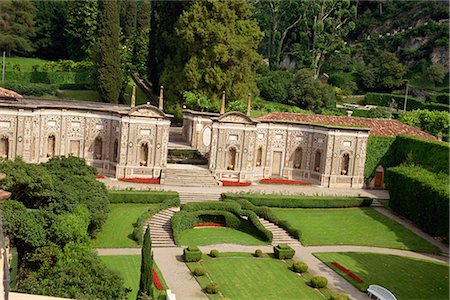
x=146, y=281
x=215, y=51
x=81, y=28
x=380, y=112
x=141, y=43
x=26, y=226
x=196, y=101
x=71, y=227
x=49, y=40
x=307, y=92
x=17, y=26
x=434, y=73
x=109, y=77
x=75, y=272
x=274, y=86
x=28, y=183
x=434, y=122
x=128, y=15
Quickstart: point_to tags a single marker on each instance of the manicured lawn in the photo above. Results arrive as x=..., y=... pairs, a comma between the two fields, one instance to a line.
x=406, y=278
x=129, y=268
x=25, y=63
x=141, y=97
x=118, y=227
x=352, y=226
x=241, y=276
x=210, y=236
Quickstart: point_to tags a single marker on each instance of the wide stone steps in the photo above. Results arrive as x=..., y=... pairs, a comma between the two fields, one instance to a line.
x=376, y=203
x=161, y=228
x=187, y=197
x=183, y=176
x=280, y=236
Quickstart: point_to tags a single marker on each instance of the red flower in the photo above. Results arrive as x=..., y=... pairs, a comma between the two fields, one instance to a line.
x=100, y=176
x=347, y=271
x=283, y=181
x=156, y=281
x=235, y=183
x=141, y=180
x=209, y=224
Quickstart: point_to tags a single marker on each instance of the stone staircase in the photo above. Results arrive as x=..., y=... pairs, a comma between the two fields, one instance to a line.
x=376, y=203
x=186, y=197
x=188, y=175
x=280, y=236
x=161, y=228
x=177, y=140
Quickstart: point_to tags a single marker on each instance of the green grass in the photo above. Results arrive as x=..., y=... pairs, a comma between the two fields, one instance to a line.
x=118, y=227
x=82, y=95
x=210, y=236
x=129, y=268
x=25, y=63
x=241, y=276
x=352, y=226
x=141, y=97
x=406, y=278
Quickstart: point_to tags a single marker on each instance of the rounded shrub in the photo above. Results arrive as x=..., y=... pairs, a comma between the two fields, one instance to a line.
x=300, y=267
x=319, y=282
x=199, y=271
x=339, y=297
x=214, y=253
x=258, y=253
x=212, y=288
x=193, y=248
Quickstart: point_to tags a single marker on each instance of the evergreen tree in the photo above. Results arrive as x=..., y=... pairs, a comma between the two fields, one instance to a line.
x=146, y=281
x=81, y=28
x=109, y=77
x=140, y=50
x=17, y=20
x=128, y=10
x=215, y=44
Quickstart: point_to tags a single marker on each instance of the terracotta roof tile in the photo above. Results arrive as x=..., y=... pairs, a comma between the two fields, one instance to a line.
x=378, y=127
x=8, y=93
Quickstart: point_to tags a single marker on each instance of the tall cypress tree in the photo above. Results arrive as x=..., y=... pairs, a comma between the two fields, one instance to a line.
x=140, y=50
x=109, y=77
x=145, y=283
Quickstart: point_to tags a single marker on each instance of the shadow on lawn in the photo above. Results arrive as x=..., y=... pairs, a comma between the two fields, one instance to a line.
x=403, y=235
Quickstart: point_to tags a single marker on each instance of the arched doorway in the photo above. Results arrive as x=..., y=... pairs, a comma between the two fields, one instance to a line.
x=143, y=155
x=231, y=159
x=379, y=177
x=298, y=156
x=345, y=164
x=4, y=148
x=98, y=148
x=51, y=146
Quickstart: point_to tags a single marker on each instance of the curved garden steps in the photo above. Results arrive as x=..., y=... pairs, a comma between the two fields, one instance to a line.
x=280, y=236
x=161, y=228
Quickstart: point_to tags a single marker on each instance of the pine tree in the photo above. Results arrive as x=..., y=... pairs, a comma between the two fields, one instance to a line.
x=109, y=77
x=146, y=281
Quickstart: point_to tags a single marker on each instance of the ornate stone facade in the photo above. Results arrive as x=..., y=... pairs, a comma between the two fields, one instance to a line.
x=246, y=149
x=118, y=140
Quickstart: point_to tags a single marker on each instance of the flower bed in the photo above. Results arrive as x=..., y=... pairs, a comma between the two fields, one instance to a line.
x=209, y=224
x=283, y=181
x=347, y=271
x=156, y=281
x=141, y=180
x=235, y=183
x=100, y=176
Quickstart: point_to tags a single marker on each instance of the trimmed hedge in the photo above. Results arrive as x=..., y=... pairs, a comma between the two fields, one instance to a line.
x=30, y=89
x=194, y=213
x=319, y=282
x=283, y=251
x=13, y=268
x=377, y=153
x=192, y=254
x=299, y=267
x=125, y=196
x=413, y=103
x=299, y=201
x=431, y=155
x=172, y=200
x=50, y=77
x=212, y=288
x=265, y=213
x=421, y=196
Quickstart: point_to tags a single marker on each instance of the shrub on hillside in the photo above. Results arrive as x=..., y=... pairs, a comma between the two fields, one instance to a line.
x=318, y=282
x=212, y=288
x=214, y=253
x=199, y=271
x=258, y=253
x=274, y=85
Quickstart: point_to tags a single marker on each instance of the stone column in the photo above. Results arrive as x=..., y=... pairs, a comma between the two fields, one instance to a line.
x=222, y=106
x=161, y=98
x=249, y=104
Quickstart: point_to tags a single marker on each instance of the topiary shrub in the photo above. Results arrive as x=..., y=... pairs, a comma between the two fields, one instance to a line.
x=319, y=282
x=199, y=271
x=214, y=253
x=299, y=267
x=283, y=251
x=192, y=254
x=339, y=297
x=258, y=253
x=212, y=288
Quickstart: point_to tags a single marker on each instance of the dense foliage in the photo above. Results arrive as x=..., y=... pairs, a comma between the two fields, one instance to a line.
x=55, y=208
x=412, y=103
x=126, y=196
x=146, y=279
x=434, y=122
x=421, y=196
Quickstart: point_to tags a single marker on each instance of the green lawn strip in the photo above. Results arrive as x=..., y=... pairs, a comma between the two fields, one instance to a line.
x=406, y=278
x=210, y=236
x=26, y=64
x=129, y=268
x=242, y=276
x=141, y=97
x=119, y=226
x=83, y=95
x=352, y=226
